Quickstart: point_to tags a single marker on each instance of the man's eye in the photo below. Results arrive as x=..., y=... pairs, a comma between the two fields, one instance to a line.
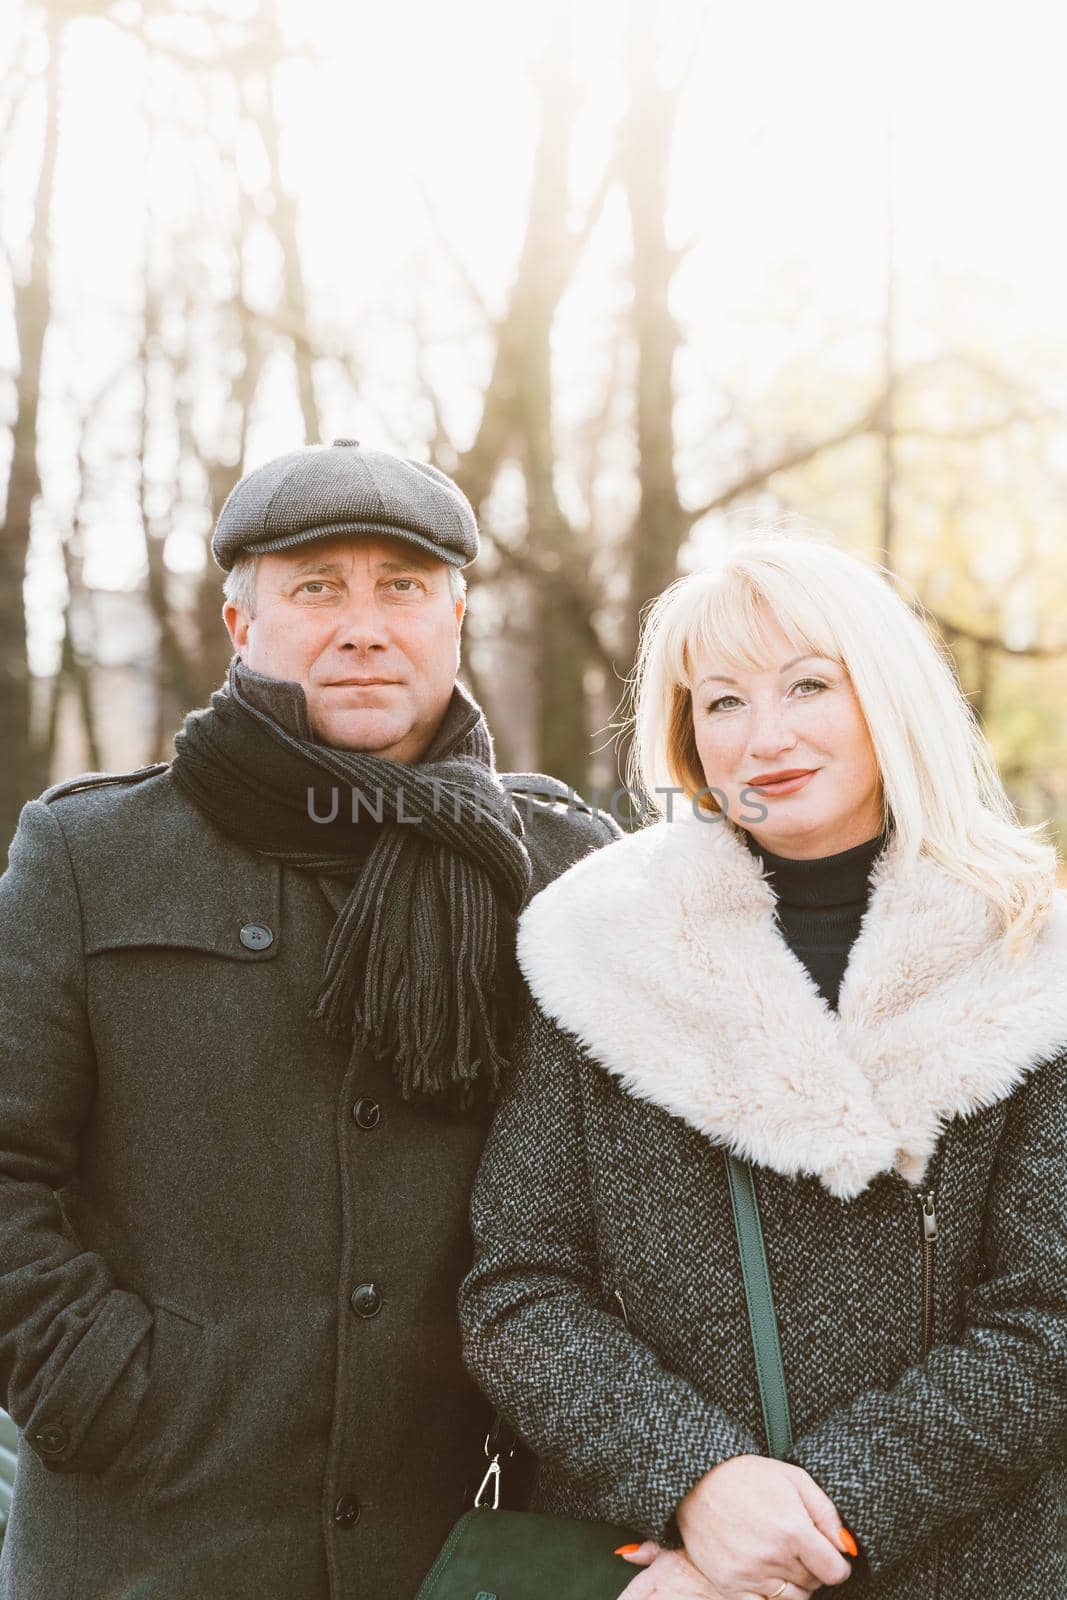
x=405, y=585
x=313, y=584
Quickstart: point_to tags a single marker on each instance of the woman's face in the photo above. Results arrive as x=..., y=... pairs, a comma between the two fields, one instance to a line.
x=789, y=749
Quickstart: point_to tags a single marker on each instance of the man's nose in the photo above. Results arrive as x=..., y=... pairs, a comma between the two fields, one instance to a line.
x=362, y=627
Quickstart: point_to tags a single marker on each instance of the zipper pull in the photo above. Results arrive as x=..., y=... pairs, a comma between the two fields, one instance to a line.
x=929, y=1211
x=622, y=1306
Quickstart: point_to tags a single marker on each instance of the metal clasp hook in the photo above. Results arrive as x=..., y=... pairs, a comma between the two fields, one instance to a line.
x=492, y=1475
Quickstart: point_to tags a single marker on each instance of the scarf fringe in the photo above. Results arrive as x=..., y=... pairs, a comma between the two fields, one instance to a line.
x=411, y=963
x=439, y=1027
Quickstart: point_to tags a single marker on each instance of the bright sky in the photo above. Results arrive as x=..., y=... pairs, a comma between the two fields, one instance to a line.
x=779, y=179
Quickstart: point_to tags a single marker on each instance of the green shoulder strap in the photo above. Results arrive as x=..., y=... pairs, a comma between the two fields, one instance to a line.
x=760, y=1301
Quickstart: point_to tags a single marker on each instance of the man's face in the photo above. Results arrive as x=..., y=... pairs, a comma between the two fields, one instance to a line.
x=368, y=628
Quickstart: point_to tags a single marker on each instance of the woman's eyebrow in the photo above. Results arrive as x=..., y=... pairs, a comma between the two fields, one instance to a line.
x=718, y=677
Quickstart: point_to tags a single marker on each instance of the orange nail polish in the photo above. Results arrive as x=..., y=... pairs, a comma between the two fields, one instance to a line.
x=626, y=1549
x=848, y=1543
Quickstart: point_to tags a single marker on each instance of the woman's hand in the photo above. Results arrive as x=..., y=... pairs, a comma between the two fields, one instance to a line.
x=668, y=1574
x=752, y=1523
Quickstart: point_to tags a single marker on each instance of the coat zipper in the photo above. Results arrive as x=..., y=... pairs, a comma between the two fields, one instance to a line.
x=928, y=1206
x=622, y=1306
x=928, y=1210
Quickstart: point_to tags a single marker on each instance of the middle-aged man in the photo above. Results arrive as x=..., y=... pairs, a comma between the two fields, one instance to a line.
x=254, y=1003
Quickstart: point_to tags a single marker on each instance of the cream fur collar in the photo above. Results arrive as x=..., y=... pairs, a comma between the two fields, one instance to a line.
x=661, y=955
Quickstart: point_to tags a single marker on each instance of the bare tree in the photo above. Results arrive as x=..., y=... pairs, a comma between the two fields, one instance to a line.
x=887, y=411
x=74, y=674
x=517, y=423
x=272, y=54
x=23, y=757
x=645, y=140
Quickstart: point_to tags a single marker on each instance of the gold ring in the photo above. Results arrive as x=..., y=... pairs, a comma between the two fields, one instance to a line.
x=782, y=1587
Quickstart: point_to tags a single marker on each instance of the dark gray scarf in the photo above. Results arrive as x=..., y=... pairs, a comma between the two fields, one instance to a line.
x=419, y=968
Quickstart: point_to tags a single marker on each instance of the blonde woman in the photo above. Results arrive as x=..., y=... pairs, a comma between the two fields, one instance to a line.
x=844, y=961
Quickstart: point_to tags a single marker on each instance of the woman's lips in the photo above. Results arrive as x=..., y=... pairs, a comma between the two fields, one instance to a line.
x=786, y=786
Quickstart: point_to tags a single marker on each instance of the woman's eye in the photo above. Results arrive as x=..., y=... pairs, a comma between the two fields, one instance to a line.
x=814, y=685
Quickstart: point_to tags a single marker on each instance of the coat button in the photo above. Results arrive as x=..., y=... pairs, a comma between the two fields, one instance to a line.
x=52, y=1439
x=346, y=1511
x=367, y=1114
x=366, y=1301
x=254, y=936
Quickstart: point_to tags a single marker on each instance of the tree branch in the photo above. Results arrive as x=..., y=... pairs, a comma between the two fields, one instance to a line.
x=979, y=430
x=441, y=440
x=580, y=237
x=453, y=256
x=572, y=595
x=679, y=88
x=240, y=59
x=17, y=86
x=798, y=456
x=234, y=60
x=1031, y=652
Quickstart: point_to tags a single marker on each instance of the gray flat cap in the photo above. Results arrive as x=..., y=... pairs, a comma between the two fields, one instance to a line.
x=342, y=489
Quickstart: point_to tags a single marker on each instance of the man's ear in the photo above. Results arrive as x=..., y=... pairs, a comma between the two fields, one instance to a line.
x=461, y=610
x=237, y=622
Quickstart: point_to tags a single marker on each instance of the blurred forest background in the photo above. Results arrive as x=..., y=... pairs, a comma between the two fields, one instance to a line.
x=638, y=275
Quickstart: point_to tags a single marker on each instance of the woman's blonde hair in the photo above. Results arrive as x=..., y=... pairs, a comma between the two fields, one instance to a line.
x=942, y=792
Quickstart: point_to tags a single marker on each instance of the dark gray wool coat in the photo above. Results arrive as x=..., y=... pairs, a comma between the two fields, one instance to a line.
x=228, y=1260
x=605, y=1312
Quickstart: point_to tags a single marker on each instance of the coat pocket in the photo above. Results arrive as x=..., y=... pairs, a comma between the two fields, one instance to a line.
x=177, y=1345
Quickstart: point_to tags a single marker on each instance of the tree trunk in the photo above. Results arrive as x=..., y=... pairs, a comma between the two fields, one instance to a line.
x=517, y=421
x=661, y=526
x=286, y=231
x=887, y=419
x=563, y=730
x=75, y=670
x=24, y=769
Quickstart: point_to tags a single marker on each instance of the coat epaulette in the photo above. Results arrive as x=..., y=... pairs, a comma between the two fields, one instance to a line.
x=98, y=780
x=539, y=786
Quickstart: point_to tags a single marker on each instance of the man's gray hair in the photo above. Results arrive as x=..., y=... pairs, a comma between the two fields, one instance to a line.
x=240, y=585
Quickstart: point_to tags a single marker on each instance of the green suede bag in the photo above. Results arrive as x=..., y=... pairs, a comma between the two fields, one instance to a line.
x=520, y=1555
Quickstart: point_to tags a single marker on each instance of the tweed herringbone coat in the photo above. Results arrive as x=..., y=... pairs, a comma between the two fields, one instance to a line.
x=229, y=1252
x=605, y=1312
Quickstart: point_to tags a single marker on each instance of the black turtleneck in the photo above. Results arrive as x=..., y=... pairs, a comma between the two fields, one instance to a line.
x=821, y=905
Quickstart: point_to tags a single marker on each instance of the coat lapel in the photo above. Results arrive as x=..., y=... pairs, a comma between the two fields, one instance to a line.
x=662, y=956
